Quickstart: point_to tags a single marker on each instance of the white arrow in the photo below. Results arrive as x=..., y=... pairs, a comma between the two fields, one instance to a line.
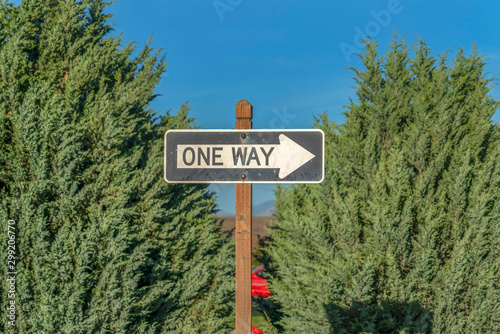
x=287, y=156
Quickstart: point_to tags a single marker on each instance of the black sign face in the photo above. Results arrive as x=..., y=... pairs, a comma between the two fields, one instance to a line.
x=244, y=156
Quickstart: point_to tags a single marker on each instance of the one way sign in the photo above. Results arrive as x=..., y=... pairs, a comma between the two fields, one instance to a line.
x=251, y=156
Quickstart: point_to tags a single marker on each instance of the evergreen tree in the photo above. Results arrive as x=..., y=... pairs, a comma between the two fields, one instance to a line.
x=403, y=235
x=103, y=243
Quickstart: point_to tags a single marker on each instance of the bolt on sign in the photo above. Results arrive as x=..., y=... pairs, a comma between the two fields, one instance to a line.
x=250, y=156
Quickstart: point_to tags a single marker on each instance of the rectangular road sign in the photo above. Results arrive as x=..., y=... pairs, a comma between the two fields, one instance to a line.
x=249, y=156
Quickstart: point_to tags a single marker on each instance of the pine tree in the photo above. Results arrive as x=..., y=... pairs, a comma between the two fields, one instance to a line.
x=403, y=234
x=103, y=243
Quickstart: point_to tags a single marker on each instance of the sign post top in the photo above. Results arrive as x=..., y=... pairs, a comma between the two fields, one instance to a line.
x=243, y=109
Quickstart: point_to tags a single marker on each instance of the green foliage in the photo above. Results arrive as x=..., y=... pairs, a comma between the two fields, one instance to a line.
x=403, y=234
x=104, y=244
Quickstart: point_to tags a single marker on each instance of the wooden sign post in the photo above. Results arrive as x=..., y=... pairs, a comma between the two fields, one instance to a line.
x=243, y=217
x=244, y=156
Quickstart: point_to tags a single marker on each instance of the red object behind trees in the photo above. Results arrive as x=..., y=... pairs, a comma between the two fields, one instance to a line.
x=255, y=330
x=260, y=287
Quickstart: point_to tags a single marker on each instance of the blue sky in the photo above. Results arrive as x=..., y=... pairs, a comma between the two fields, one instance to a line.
x=286, y=57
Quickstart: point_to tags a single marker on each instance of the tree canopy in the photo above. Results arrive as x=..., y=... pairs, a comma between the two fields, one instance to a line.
x=104, y=244
x=403, y=235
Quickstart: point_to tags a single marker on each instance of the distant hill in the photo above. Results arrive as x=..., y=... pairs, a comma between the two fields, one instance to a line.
x=265, y=209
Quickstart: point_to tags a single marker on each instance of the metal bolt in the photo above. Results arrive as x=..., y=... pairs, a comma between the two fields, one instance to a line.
x=243, y=177
x=243, y=136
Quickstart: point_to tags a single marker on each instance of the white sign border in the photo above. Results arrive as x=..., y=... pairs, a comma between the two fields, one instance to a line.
x=241, y=131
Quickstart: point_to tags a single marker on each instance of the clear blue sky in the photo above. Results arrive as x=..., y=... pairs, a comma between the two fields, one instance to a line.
x=285, y=57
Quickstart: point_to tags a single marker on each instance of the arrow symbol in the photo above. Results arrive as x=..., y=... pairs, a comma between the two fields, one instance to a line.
x=287, y=156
